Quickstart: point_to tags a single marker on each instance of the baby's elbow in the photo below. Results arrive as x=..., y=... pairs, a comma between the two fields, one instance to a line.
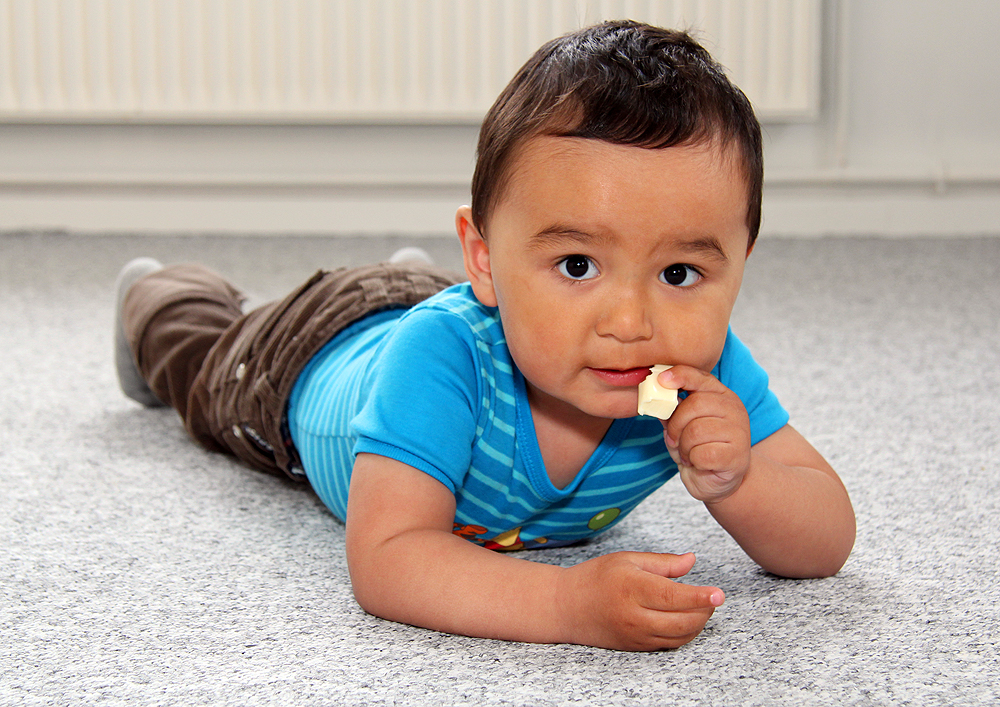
x=820, y=570
x=364, y=583
x=816, y=565
x=841, y=550
x=368, y=601
x=373, y=598
x=809, y=571
x=830, y=557
x=369, y=592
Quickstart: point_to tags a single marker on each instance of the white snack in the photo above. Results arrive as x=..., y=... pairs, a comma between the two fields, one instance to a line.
x=654, y=399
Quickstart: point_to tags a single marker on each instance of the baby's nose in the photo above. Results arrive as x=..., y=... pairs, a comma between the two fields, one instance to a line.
x=626, y=317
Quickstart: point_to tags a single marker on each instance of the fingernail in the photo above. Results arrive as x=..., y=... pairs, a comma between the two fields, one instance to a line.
x=717, y=598
x=665, y=377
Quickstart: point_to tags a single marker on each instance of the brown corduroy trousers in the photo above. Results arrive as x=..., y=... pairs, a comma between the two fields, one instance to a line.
x=229, y=374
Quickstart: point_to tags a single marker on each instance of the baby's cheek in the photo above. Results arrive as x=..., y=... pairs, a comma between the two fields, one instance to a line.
x=704, y=349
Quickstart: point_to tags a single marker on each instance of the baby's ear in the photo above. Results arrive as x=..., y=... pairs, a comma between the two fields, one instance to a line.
x=476, y=255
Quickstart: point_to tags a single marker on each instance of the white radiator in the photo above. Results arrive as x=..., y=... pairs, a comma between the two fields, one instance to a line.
x=321, y=61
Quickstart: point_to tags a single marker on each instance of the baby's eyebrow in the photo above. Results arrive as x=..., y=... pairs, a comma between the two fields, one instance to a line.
x=558, y=235
x=707, y=245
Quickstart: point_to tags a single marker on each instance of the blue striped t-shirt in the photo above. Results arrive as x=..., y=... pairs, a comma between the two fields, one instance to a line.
x=435, y=388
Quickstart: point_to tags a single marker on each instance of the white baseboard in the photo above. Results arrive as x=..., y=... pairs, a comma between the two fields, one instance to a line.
x=288, y=213
x=407, y=180
x=431, y=213
x=882, y=212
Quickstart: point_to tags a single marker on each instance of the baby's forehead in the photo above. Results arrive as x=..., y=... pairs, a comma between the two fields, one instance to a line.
x=526, y=155
x=567, y=190
x=540, y=154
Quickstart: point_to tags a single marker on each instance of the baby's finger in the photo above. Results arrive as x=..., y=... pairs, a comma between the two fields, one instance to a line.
x=668, y=595
x=709, y=441
x=674, y=630
x=689, y=379
x=664, y=564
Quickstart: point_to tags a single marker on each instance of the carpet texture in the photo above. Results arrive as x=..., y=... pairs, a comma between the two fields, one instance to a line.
x=138, y=569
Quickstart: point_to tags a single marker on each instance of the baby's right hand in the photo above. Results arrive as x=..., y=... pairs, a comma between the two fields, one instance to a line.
x=626, y=601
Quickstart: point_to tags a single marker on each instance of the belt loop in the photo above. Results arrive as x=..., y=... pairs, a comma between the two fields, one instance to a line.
x=264, y=391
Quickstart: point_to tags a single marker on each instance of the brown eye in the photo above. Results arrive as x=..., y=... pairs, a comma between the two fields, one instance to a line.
x=577, y=267
x=680, y=275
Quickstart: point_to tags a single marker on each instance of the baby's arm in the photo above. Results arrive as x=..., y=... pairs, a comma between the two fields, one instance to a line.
x=407, y=566
x=780, y=499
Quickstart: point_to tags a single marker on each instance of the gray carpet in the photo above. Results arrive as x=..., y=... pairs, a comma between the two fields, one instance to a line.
x=138, y=569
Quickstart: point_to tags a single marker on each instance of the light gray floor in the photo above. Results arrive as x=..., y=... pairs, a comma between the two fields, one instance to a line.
x=138, y=569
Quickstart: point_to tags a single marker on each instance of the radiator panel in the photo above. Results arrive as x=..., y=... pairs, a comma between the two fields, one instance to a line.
x=263, y=61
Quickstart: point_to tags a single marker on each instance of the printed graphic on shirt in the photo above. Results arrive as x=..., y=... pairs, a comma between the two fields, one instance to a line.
x=603, y=519
x=511, y=540
x=508, y=541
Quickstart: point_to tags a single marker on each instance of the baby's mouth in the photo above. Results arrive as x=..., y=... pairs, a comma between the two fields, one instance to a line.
x=627, y=377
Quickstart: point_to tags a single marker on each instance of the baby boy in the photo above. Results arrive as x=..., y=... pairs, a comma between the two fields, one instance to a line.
x=615, y=200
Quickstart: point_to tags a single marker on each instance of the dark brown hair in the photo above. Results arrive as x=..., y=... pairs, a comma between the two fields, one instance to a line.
x=626, y=83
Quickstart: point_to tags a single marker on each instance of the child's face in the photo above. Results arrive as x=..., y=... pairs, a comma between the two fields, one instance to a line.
x=605, y=260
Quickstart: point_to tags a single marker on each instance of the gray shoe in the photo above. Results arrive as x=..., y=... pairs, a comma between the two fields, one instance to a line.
x=129, y=378
x=411, y=254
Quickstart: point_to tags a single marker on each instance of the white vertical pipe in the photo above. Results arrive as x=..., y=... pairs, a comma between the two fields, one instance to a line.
x=842, y=115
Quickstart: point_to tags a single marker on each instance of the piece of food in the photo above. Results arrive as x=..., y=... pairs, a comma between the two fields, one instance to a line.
x=654, y=399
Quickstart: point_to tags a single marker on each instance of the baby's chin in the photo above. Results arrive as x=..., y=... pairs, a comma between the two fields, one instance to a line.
x=614, y=410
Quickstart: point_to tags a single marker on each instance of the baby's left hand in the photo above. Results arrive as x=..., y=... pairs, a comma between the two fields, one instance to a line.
x=708, y=436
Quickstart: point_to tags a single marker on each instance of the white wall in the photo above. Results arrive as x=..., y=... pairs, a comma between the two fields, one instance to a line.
x=248, y=179
x=909, y=138
x=907, y=143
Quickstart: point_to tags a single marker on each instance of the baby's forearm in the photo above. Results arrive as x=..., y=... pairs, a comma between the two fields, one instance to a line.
x=794, y=521
x=439, y=581
x=407, y=566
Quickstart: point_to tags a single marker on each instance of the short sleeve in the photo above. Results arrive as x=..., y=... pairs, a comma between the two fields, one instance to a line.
x=739, y=372
x=423, y=398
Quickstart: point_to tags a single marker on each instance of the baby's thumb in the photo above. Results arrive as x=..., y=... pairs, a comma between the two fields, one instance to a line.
x=666, y=564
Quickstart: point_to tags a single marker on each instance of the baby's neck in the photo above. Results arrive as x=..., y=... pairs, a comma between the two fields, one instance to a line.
x=567, y=438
